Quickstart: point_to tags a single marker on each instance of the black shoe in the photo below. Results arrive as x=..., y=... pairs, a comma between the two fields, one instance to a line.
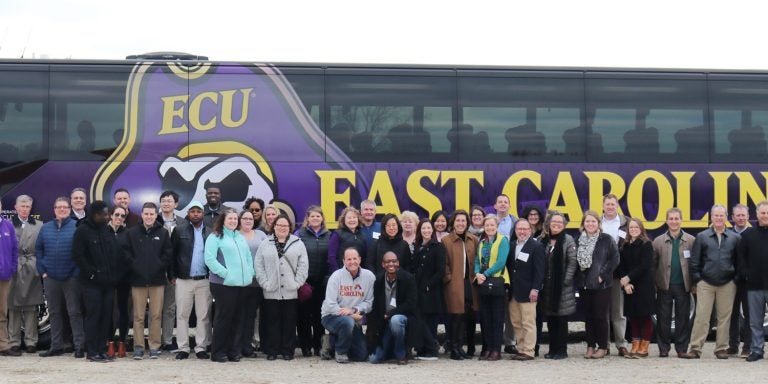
x=536, y=351
x=455, y=355
x=51, y=353
x=169, y=347
x=306, y=351
x=248, y=352
x=79, y=354
x=68, y=349
x=559, y=356
x=12, y=351
x=511, y=349
x=287, y=357
x=754, y=357
x=271, y=357
x=732, y=350
x=549, y=355
x=202, y=355
x=107, y=358
x=463, y=354
x=234, y=359
x=96, y=359
x=31, y=349
x=219, y=359
x=470, y=352
x=182, y=356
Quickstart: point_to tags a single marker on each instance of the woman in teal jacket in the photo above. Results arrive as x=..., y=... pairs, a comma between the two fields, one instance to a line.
x=229, y=260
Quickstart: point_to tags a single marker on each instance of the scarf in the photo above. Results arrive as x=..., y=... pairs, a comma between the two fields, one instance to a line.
x=556, y=269
x=586, y=249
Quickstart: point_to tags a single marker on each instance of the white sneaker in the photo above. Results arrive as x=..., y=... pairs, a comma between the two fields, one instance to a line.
x=426, y=357
x=341, y=358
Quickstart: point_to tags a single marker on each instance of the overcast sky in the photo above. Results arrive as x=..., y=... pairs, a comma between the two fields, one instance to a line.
x=665, y=34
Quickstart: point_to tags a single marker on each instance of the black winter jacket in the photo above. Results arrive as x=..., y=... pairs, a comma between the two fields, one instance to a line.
x=427, y=265
x=753, y=258
x=317, y=253
x=97, y=254
x=383, y=245
x=605, y=259
x=150, y=254
x=183, y=241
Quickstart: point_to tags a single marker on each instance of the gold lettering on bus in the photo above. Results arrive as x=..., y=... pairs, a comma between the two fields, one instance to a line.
x=597, y=180
x=512, y=185
x=565, y=191
x=175, y=111
x=329, y=197
x=381, y=187
x=462, y=184
x=420, y=195
x=635, y=199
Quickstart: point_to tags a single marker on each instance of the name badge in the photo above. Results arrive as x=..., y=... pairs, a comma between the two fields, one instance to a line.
x=376, y=235
x=393, y=302
x=687, y=254
x=622, y=234
x=522, y=256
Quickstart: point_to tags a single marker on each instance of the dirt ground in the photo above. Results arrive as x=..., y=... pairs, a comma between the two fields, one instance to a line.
x=66, y=369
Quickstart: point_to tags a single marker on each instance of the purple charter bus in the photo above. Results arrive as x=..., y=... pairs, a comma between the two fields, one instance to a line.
x=422, y=138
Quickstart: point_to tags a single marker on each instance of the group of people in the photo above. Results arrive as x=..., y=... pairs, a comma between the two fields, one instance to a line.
x=373, y=290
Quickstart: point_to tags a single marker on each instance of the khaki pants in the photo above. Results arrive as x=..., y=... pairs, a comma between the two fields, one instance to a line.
x=5, y=288
x=722, y=297
x=198, y=293
x=25, y=317
x=523, y=317
x=618, y=321
x=140, y=296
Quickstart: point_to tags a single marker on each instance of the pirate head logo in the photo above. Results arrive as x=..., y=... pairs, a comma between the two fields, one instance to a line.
x=241, y=128
x=237, y=170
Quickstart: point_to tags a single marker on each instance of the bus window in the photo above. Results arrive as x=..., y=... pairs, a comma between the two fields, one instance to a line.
x=521, y=118
x=639, y=120
x=391, y=118
x=88, y=113
x=23, y=124
x=739, y=120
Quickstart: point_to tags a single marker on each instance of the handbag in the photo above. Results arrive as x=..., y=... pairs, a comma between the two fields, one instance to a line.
x=492, y=286
x=305, y=291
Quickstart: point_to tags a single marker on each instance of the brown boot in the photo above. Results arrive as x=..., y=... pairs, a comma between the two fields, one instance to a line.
x=121, y=349
x=111, y=349
x=642, y=352
x=635, y=348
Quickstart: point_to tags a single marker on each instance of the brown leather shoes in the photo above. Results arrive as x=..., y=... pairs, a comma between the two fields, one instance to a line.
x=623, y=352
x=690, y=355
x=493, y=356
x=522, y=357
x=721, y=355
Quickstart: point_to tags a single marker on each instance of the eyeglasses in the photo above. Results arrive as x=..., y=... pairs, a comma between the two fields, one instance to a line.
x=255, y=209
x=282, y=226
x=120, y=215
x=61, y=207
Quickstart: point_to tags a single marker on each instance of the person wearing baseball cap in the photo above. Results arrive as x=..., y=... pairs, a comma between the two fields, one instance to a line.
x=192, y=285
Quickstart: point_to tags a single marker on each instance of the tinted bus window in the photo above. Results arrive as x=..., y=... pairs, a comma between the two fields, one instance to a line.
x=309, y=88
x=391, y=118
x=88, y=113
x=23, y=124
x=739, y=120
x=647, y=119
x=520, y=119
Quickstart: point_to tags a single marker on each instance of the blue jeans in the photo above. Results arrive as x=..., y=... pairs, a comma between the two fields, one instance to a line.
x=756, y=303
x=349, y=338
x=392, y=341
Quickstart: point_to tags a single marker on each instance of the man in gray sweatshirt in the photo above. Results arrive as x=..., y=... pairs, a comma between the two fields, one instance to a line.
x=348, y=296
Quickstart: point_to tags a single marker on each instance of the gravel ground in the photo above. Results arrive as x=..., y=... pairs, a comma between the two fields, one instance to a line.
x=66, y=369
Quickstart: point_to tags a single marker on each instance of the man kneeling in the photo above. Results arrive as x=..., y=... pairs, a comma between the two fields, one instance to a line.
x=394, y=304
x=348, y=296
